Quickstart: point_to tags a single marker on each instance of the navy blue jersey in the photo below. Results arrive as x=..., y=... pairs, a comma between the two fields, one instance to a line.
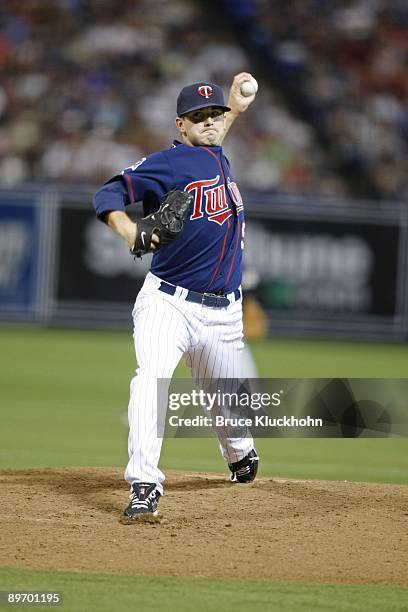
x=207, y=256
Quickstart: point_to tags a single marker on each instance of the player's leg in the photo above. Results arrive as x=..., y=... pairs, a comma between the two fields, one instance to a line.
x=161, y=338
x=217, y=365
x=249, y=367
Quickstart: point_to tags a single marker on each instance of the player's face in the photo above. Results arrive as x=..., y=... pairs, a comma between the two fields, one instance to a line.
x=204, y=126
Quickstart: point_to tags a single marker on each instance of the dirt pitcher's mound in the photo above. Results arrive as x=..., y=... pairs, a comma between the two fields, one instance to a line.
x=274, y=529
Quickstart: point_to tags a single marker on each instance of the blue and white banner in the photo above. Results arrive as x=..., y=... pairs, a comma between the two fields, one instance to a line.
x=19, y=256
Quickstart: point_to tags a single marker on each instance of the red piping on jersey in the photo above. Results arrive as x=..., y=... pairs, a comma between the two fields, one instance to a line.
x=218, y=162
x=228, y=228
x=221, y=256
x=235, y=253
x=129, y=182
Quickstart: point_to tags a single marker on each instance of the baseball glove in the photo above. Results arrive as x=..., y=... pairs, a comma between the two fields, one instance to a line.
x=167, y=222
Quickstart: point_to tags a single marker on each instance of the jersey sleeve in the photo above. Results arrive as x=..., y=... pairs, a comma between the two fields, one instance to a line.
x=146, y=181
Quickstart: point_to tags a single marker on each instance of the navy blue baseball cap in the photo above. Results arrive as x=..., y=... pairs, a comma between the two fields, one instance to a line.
x=199, y=95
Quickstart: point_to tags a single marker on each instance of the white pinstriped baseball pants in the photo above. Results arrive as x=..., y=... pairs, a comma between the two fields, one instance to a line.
x=166, y=328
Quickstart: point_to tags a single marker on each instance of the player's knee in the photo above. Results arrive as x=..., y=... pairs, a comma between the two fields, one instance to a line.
x=147, y=373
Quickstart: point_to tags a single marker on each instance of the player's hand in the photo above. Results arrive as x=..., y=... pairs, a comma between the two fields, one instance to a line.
x=236, y=101
x=163, y=226
x=155, y=242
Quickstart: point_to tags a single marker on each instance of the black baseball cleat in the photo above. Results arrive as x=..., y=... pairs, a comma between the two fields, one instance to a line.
x=246, y=469
x=143, y=504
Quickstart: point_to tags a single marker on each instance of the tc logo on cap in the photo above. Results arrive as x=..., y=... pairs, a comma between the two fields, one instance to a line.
x=206, y=91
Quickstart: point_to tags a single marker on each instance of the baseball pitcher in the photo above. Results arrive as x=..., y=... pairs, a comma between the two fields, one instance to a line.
x=190, y=304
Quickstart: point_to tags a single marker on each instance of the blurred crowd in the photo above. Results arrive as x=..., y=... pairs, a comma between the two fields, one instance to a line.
x=89, y=86
x=349, y=60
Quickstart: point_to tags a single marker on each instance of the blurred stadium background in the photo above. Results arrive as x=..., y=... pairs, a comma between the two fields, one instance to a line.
x=88, y=87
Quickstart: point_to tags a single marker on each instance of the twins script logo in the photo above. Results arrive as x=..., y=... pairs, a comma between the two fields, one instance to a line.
x=206, y=91
x=211, y=199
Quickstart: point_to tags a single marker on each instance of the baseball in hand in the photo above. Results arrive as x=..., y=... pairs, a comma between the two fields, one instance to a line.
x=249, y=88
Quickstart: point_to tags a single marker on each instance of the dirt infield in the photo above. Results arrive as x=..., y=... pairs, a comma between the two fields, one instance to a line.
x=274, y=529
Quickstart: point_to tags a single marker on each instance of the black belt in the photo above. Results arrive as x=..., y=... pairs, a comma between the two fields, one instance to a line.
x=205, y=299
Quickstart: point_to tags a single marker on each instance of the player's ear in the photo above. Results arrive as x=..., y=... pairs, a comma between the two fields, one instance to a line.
x=180, y=125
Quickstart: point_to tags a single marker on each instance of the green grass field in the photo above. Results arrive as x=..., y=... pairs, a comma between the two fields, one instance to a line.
x=107, y=593
x=63, y=398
